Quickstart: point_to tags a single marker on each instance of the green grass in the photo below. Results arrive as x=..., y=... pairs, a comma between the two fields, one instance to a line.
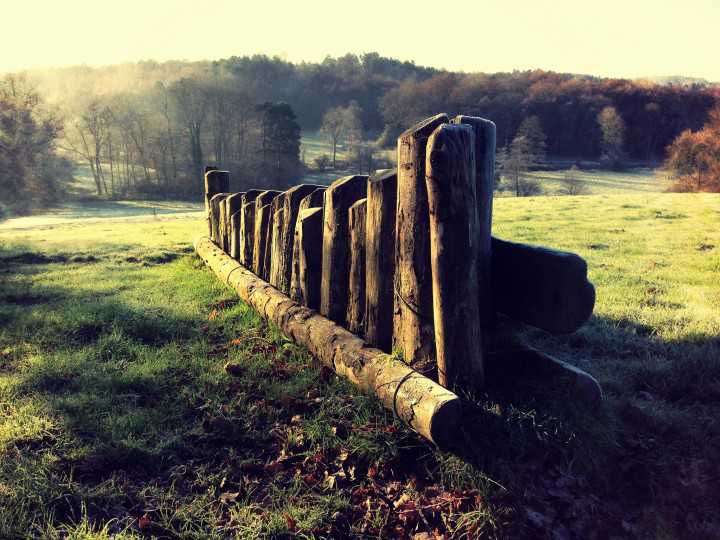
x=118, y=419
x=606, y=182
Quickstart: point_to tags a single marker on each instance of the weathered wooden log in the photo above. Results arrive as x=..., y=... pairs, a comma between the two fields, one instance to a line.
x=262, y=221
x=413, y=318
x=232, y=205
x=339, y=197
x=235, y=236
x=270, y=256
x=313, y=200
x=485, y=186
x=380, y=259
x=247, y=226
x=215, y=182
x=293, y=198
x=307, y=278
x=262, y=224
x=454, y=253
x=541, y=287
x=433, y=411
x=276, y=249
x=357, y=216
x=215, y=205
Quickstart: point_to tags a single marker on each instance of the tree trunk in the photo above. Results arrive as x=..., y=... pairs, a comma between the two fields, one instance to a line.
x=306, y=281
x=357, y=216
x=413, y=311
x=454, y=253
x=339, y=197
x=485, y=133
x=433, y=411
x=380, y=259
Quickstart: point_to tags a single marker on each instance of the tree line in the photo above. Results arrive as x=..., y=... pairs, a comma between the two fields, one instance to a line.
x=148, y=128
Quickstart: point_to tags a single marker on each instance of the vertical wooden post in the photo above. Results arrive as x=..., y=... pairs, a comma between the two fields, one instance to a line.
x=454, y=250
x=413, y=330
x=309, y=232
x=276, y=204
x=339, y=197
x=292, y=200
x=262, y=220
x=235, y=236
x=232, y=205
x=247, y=227
x=215, y=182
x=262, y=223
x=357, y=216
x=215, y=205
x=380, y=259
x=313, y=200
x=276, y=269
x=485, y=135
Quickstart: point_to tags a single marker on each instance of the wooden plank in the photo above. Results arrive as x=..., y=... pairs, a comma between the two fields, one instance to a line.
x=235, y=235
x=292, y=200
x=454, y=253
x=542, y=287
x=276, y=204
x=380, y=259
x=357, y=216
x=276, y=269
x=262, y=221
x=247, y=226
x=215, y=205
x=413, y=331
x=339, y=197
x=232, y=205
x=215, y=182
x=485, y=135
x=313, y=200
x=309, y=230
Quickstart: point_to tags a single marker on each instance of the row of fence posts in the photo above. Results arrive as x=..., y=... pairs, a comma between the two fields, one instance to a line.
x=401, y=258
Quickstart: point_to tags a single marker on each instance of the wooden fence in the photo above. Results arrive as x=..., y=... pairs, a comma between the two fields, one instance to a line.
x=405, y=259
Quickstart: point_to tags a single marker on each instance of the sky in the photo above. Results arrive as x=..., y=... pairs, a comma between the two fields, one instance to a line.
x=628, y=38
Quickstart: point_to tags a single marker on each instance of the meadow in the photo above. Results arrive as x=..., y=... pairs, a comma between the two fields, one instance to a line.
x=139, y=398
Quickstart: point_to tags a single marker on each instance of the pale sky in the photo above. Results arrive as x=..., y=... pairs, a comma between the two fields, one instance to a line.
x=627, y=38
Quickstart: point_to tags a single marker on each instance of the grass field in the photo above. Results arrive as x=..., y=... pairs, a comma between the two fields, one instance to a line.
x=118, y=419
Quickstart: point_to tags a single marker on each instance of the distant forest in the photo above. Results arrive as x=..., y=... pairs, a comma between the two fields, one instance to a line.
x=146, y=129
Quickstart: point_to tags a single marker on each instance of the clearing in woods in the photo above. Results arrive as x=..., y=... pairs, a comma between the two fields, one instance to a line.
x=118, y=419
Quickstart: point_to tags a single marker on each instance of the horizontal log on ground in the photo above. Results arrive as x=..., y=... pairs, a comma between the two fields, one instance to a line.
x=541, y=287
x=431, y=410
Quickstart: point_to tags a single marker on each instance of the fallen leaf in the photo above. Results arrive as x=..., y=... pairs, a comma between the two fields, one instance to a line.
x=233, y=369
x=213, y=314
x=144, y=522
x=229, y=497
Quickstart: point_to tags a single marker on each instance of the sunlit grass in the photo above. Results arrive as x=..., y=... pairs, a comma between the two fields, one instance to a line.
x=114, y=404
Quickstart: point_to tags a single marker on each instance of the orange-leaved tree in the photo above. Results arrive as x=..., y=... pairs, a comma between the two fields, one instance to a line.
x=694, y=156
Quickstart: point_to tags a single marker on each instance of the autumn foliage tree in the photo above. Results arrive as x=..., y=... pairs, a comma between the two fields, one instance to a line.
x=694, y=157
